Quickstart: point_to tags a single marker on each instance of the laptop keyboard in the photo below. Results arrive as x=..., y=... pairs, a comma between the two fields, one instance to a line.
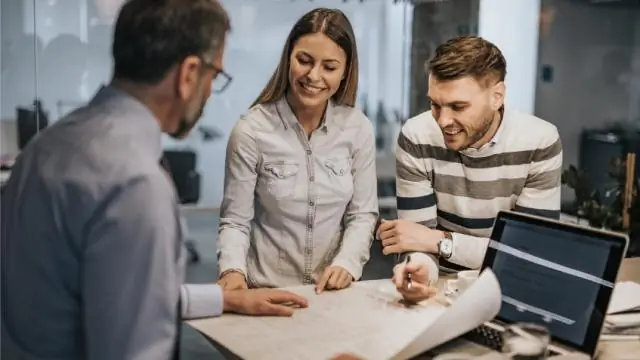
x=485, y=336
x=490, y=337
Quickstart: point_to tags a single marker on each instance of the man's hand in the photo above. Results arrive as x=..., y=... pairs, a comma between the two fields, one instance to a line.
x=267, y=302
x=333, y=278
x=400, y=236
x=233, y=281
x=420, y=288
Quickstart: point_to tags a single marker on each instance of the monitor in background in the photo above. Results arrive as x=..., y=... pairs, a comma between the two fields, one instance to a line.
x=555, y=274
x=30, y=121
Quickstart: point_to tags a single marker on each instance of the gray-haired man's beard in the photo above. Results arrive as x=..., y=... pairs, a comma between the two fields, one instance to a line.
x=186, y=125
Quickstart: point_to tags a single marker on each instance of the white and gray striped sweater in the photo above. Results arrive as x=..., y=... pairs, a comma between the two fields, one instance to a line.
x=462, y=192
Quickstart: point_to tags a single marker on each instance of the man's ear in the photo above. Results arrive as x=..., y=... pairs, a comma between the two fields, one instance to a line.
x=497, y=96
x=188, y=77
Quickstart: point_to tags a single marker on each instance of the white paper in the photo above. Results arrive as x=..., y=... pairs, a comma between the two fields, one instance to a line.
x=476, y=305
x=623, y=320
x=625, y=297
x=366, y=319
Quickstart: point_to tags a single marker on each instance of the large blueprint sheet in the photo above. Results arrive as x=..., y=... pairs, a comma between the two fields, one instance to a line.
x=366, y=319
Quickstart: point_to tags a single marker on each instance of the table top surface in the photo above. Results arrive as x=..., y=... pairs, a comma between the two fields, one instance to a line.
x=630, y=270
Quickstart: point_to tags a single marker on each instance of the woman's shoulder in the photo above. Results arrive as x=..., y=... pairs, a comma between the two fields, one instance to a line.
x=260, y=116
x=351, y=116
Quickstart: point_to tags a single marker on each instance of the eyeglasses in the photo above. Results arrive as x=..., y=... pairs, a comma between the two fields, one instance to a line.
x=222, y=79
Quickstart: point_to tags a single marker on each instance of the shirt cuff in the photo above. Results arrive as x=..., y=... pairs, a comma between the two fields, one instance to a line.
x=201, y=300
x=352, y=268
x=468, y=251
x=230, y=254
x=430, y=261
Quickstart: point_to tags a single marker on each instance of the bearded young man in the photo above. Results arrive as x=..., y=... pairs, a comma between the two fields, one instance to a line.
x=466, y=159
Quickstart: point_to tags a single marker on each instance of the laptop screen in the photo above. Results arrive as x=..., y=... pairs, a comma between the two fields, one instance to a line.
x=555, y=274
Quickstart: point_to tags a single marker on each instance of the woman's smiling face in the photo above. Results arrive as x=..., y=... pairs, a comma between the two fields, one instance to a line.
x=317, y=68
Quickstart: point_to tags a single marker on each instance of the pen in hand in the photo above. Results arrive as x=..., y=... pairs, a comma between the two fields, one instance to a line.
x=407, y=260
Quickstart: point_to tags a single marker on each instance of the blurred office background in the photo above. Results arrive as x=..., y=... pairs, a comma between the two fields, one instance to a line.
x=575, y=63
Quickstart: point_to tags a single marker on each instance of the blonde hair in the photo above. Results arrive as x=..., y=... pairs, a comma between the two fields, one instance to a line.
x=336, y=26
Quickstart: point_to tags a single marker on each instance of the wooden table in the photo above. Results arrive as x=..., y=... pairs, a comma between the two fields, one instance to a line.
x=630, y=271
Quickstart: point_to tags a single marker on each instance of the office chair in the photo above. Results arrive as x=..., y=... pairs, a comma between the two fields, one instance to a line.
x=30, y=121
x=181, y=165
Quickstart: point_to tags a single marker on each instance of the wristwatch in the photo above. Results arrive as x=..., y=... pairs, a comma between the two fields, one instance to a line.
x=445, y=246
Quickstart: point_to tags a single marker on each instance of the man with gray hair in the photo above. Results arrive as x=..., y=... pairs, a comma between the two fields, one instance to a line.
x=92, y=255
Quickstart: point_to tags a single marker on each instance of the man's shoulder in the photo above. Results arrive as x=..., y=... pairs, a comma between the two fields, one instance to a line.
x=85, y=148
x=530, y=130
x=260, y=117
x=351, y=117
x=423, y=129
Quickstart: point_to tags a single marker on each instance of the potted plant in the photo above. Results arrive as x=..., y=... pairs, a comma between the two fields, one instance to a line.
x=604, y=208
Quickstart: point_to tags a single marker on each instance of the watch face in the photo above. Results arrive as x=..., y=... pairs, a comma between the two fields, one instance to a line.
x=446, y=247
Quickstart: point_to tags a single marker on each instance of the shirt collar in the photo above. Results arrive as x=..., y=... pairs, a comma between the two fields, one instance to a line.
x=289, y=119
x=138, y=118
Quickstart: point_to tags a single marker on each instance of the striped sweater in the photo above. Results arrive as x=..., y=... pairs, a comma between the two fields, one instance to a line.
x=462, y=192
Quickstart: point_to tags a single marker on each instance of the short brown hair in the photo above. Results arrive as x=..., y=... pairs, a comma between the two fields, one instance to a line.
x=336, y=26
x=468, y=56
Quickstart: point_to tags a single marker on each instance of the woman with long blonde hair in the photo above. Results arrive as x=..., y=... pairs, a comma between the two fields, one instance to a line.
x=300, y=195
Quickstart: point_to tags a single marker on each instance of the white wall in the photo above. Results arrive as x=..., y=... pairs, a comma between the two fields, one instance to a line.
x=513, y=27
x=395, y=51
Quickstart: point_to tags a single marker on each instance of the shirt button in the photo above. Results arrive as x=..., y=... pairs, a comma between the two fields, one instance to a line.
x=311, y=178
x=308, y=152
x=310, y=226
x=311, y=203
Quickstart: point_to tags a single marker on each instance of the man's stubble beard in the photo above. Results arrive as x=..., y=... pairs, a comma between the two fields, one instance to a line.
x=190, y=119
x=483, y=130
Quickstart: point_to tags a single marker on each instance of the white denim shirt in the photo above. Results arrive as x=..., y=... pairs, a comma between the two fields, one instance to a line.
x=293, y=204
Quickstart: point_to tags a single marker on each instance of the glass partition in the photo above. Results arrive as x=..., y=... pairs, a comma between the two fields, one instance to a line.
x=57, y=54
x=19, y=56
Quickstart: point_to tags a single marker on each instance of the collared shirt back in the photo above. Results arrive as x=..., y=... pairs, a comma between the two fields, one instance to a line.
x=63, y=238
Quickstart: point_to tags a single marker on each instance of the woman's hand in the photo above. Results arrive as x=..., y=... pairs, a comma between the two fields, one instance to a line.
x=333, y=278
x=233, y=280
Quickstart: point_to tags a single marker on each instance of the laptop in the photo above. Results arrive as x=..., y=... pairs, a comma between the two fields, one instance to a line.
x=556, y=274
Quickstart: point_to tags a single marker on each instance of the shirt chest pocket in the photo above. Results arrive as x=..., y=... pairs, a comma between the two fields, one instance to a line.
x=338, y=170
x=280, y=178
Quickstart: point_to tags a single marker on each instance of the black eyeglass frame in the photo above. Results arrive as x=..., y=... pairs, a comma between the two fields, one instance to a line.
x=227, y=78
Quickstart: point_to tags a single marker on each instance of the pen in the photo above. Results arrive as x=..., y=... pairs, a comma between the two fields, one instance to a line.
x=407, y=259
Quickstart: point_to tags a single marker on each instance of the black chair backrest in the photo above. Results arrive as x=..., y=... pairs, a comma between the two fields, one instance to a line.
x=181, y=164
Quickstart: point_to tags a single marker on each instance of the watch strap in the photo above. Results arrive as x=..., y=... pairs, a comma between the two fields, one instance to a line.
x=229, y=271
x=447, y=236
